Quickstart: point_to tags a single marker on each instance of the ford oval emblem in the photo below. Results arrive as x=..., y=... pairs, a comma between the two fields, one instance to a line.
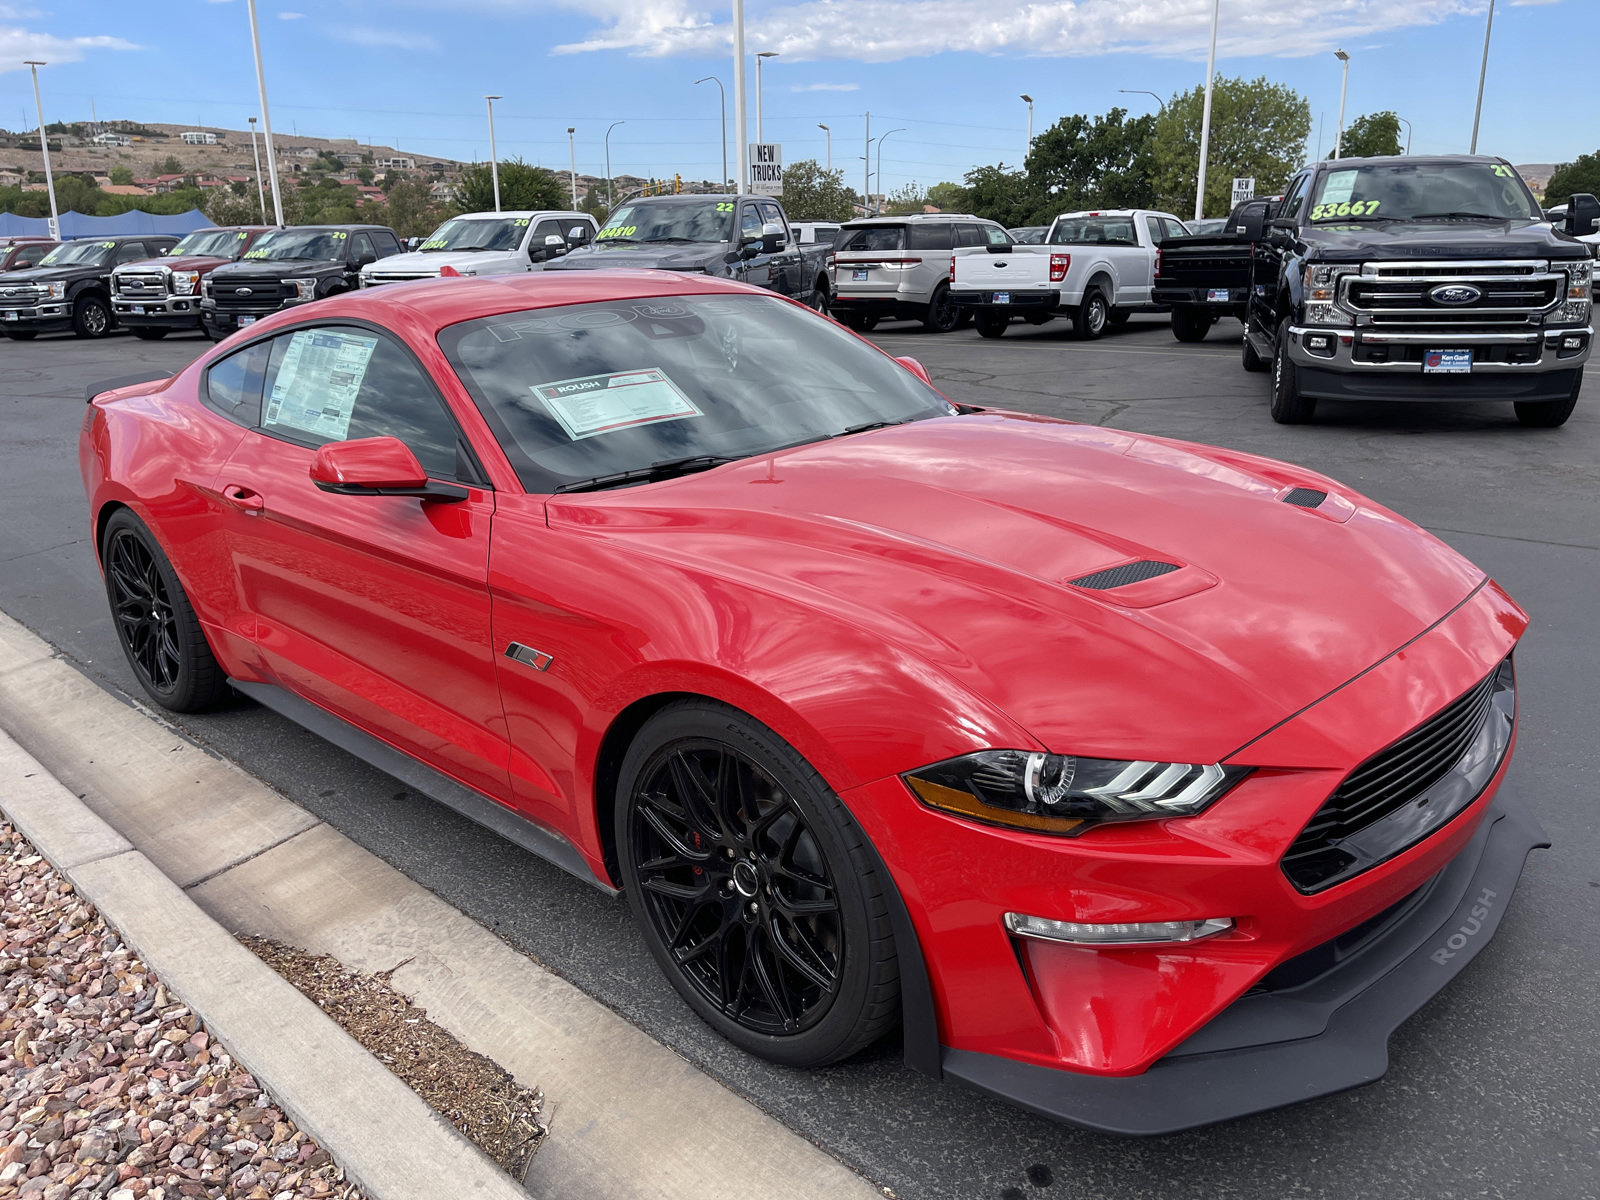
x=244, y=291
x=1455, y=293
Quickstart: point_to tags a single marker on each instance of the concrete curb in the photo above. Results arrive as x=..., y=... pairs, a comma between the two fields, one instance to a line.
x=384, y=1136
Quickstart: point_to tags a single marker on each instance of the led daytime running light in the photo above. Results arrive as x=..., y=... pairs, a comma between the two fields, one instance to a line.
x=1131, y=933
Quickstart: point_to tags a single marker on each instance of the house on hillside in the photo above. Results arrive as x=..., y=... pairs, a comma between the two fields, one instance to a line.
x=198, y=137
x=397, y=162
x=112, y=139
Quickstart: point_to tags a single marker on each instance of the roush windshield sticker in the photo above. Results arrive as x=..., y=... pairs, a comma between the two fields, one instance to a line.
x=597, y=404
x=315, y=390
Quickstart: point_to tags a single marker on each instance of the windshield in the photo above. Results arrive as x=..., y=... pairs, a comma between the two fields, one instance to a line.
x=709, y=221
x=325, y=244
x=872, y=237
x=477, y=233
x=1105, y=231
x=213, y=243
x=588, y=390
x=1409, y=192
x=78, y=254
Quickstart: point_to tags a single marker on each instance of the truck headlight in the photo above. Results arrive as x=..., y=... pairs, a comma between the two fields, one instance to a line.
x=205, y=288
x=1322, y=294
x=55, y=291
x=1063, y=794
x=305, y=289
x=184, y=282
x=1574, y=308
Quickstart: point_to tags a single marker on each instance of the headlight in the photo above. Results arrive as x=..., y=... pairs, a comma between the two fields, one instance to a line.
x=1063, y=794
x=1574, y=307
x=55, y=291
x=205, y=287
x=1322, y=294
x=305, y=289
x=184, y=282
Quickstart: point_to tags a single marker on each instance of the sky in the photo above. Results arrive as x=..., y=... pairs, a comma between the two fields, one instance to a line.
x=941, y=78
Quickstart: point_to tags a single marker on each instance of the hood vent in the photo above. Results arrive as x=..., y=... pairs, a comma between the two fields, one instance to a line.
x=1304, y=497
x=1115, y=577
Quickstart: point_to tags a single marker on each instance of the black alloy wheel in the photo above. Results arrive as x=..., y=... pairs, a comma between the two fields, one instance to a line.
x=751, y=885
x=1289, y=406
x=158, y=629
x=942, y=312
x=91, y=318
x=1549, y=414
x=1092, y=316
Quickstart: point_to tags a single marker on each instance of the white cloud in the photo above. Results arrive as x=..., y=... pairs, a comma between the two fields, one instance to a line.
x=18, y=44
x=290, y=16
x=385, y=39
x=887, y=30
x=826, y=87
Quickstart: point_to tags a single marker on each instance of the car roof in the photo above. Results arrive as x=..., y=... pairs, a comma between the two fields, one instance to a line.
x=1415, y=160
x=864, y=222
x=518, y=212
x=299, y=228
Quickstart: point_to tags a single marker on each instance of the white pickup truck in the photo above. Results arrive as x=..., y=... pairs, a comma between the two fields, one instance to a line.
x=1094, y=267
x=486, y=243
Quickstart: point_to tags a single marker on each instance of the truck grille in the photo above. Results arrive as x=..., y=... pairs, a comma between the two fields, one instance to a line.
x=1402, y=296
x=1387, y=782
x=21, y=295
x=252, y=295
x=410, y=277
x=143, y=285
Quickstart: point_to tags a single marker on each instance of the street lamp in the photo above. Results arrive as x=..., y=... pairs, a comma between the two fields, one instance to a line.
x=261, y=195
x=44, y=147
x=1407, y=124
x=741, y=147
x=759, y=57
x=1344, y=80
x=879, y=171
x=266, y=119
x=494, y=162
x=1205, y=115
x=723, y=109
x=609, y=128
x=829, y=133
x=1029, y=148
x=1143, y=92
x=1477, y=110
x=572, y=158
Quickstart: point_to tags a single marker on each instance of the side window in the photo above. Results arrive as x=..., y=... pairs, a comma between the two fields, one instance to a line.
x=233, y=384
x=969, y=235
x=1294, y=197
x=771, y=214
x=1153, y=228
x=1172, y=227
x=996, y=236
x=334, y=384
x=130, y=252
x=361, y=250
x=749, y=221
x=385, y=243
x=930, y=235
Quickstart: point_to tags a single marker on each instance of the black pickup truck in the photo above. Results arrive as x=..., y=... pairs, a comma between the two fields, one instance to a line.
x=71, y=286
x=1205, y=277
x=733, y=237
x=287, y=267
x=1420, y=279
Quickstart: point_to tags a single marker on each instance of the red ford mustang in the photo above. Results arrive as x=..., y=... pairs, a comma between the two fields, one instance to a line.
x=1147, y=784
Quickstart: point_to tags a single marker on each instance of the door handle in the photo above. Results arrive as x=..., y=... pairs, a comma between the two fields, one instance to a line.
x=244, y=498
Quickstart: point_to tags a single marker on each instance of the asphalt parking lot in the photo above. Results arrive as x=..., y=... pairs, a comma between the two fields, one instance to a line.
x=1492, y=1090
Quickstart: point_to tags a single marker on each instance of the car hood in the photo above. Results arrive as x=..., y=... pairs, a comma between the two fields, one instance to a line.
x=50, y=274
x=275, y=268
x=1442, y=239
x=957, y=539
x=435, y=260
x=189, y=262
x=673, y=256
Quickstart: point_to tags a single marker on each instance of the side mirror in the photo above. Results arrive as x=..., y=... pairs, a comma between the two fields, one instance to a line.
x=772, y=238
x=377, y=466
x=554, y=239
x=578, y=235
x=1583, y=214
x=916, y=368
x=1252, y=226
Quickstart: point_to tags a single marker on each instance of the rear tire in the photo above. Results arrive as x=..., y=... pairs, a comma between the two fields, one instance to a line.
x=151, y=335
x=1189, y=325
x=990, y=324
x=820, y=299
x=1289, y=407
x=91, y=318
x=1092, y=317
x=1549, y=414
x=942, y=314
x=860, y=322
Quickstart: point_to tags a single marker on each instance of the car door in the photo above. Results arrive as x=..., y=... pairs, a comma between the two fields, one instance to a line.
x=538, y=250
x=758, y=269
x=375, y=608
x=785, y=264
x=359, y=251
x=1267, y=260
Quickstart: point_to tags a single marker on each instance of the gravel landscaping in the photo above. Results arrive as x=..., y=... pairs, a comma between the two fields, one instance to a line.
x=110, y=1087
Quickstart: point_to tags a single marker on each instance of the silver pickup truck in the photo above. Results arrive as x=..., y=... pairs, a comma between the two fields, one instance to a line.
x=1094, y=267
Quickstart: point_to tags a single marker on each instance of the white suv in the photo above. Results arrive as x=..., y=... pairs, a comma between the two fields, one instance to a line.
x=486, y=243
x=900, y=267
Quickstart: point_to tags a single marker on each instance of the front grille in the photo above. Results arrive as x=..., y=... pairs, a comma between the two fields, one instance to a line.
x=375, y=280
x=1115, y=577
x=1388, y=782
x=1511, y=295
x=145, y=286
x=21, y=297
x=267, y=293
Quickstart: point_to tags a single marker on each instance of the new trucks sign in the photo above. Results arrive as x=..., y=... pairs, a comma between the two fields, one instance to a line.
x=766, y=169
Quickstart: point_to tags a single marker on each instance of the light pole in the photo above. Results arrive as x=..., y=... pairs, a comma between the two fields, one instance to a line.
x=266, y=120
x=723, y=109
x=44, y=148
x=1344, y=81
x=829, y=133
x=866, y=170
x=261, y=194
x=759, y=57
x=1205, y=116
x=879, y=171
x=1407, y=124
x=494, y=162
x=740, y=105
x=609, y=128
x=1143, y=92
x=1477, y=110
x=572, y=158
x=1029, y=148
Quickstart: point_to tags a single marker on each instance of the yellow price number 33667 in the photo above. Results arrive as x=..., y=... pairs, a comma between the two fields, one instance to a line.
x=1349, y=208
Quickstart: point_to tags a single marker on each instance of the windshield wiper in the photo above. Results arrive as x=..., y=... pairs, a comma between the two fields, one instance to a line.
x=669, y=239
x=610, y=241
x=865, y=426
x=1459, y=216
x=1353, y=220
x=669, y=468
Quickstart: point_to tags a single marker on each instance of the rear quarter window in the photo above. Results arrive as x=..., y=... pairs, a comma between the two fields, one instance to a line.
x=938, y=235
x=873, y=237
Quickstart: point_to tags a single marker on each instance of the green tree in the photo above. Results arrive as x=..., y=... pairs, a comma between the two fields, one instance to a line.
x=326, y=163
x=811, y=193
x=910, y=198
x=76, y=194
x=1258, y=129
x=1101, y=162
x=1582, y=174
x=410, y=209
x=1369, y=136
x=997, y=194
x=366, y=175
x=121, y=176
x=948, y=197
x=521, y=186
x=224, y=208
x=169, y=166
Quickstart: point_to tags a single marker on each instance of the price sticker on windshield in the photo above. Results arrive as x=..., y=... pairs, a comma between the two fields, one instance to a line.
x=596, y=404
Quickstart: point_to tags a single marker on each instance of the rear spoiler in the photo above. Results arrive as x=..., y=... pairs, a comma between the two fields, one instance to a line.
x=122, y=381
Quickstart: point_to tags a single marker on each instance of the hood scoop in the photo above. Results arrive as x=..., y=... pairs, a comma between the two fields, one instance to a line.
x=1304, y=497
x=1115, y=577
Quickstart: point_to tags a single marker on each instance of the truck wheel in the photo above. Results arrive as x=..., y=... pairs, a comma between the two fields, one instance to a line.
x=860, y=322
x=22, y=335
x=1549, y=414
x=1119, y=316
x=1248, y=356
x=1092, y=316
x=90, y=317
x=991, y=324
x=151, y=335
x=819, y=297
x=1289, y=407
x=941, y=315
x=1189, y=325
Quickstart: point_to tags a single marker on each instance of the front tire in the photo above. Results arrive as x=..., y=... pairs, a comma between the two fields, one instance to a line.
x=942, y=315
x=150, y=335
x=991, y=324
x=1549, y=414
x=753, y=887
x=1189, y=325
x=91, y=318
x=157, y=627
x=1289, y=407
x=1092, y=316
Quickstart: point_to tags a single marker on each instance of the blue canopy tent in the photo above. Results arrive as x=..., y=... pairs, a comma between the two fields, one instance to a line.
x=75, y=225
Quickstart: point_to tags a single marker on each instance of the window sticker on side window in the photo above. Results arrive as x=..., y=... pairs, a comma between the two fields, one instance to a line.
x=596, y=404
x=1338, y=187
x=316, y=386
